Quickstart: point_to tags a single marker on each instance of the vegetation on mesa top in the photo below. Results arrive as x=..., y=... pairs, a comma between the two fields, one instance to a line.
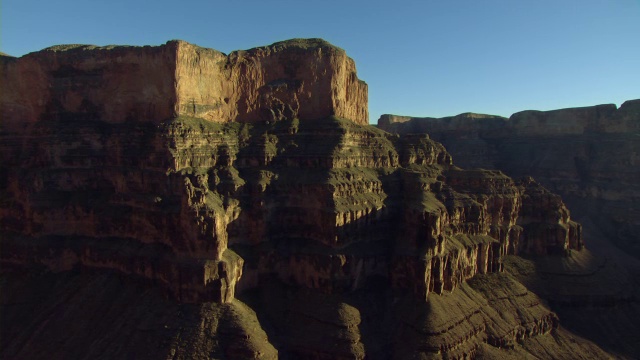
x=302, y=43
x=86, y=47
x=90, y=47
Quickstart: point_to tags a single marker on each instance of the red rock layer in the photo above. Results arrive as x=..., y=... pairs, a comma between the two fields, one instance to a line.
x=307, y=79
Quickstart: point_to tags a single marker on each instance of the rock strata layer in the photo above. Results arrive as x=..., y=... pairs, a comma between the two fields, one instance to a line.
x=323, y=205
x=588, y=155
x=302, y=78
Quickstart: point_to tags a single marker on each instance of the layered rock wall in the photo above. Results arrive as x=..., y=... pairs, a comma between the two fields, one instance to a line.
x=588, y=155
x=271, y=83
x=306, y=78
x=324, y=205
x=111, y=196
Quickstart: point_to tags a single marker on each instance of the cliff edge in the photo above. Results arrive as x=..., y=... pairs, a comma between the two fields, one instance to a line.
x=306, y=79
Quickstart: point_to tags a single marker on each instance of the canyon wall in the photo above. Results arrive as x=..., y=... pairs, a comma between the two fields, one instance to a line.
x=111, y=84
x=588, y=155
x=306, y=79
x=254, y=176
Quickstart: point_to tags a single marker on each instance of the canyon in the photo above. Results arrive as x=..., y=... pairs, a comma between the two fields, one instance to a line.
x=178, y=202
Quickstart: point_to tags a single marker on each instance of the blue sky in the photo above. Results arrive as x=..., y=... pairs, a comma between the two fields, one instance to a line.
x=421, y=58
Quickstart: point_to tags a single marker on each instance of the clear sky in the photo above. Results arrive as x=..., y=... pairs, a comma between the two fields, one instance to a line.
x=420, y=58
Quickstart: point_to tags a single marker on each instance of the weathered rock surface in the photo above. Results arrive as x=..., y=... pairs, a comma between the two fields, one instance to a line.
x=345, y=240
x=588, y=155
x=303, y=78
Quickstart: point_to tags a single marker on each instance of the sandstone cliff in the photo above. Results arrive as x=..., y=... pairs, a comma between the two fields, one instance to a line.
x=253, y=176
x=304, y=78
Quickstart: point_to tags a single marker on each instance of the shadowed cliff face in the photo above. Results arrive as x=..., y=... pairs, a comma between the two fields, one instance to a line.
x=588, y=155
x=322, y=205
x=341, y=240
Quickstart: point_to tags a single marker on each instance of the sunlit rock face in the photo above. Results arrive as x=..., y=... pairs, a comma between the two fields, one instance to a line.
x=255, y=176
x=306, y=79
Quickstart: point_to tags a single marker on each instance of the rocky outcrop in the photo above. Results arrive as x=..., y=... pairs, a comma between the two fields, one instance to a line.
x=260, y=190
x=307, y=79
x=302, y=78
x=588, y=155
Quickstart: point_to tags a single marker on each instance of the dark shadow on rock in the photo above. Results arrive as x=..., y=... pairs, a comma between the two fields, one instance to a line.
x=595, y=295
x=86, y=314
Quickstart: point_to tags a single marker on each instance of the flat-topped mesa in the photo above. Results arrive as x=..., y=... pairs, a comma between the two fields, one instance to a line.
x=464, y=121
x=307, y=79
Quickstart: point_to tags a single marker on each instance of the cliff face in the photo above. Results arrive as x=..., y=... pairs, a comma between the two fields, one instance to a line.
x=305, y=79
x=588, y=155
x=111, y=84
x=226, y=178
x=167, y=202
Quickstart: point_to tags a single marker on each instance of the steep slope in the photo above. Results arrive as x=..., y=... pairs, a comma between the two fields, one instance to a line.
x=301, y=234
x=93, y=315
